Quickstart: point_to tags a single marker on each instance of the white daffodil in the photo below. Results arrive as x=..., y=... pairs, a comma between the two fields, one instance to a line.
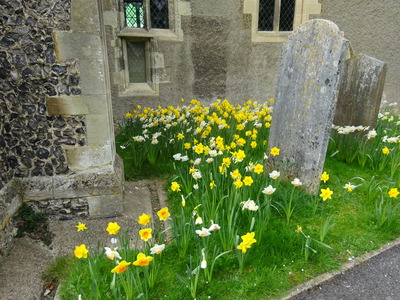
x=203, y=232
x=269, y=190
x=349, y=187
x=296, y=182
x=198, y=221
x=111, y=254
x=214, y=227
x=177, y=156
x=157, y=249
x=371, y=134
x=274, y=174
x=196, y=175
x=250, y=205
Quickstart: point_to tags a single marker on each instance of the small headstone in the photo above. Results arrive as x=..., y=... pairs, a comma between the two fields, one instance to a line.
x=360, y=91
x=306, y=96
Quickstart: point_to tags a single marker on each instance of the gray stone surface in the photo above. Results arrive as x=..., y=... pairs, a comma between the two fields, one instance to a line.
x=306, y=96
x=360, y=92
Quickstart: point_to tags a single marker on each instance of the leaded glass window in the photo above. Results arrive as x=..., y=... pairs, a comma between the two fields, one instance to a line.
x=136, y=53
x=276, y=15
x=134, y=13
x=146, y=14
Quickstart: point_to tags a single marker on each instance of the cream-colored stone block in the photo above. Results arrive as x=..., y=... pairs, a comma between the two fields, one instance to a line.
x=86, y=157
x=250, y=6
x=110, y=18
x=92, y=77
x=105, y=206
x=158, y=60
x=118, y=78
x=66, y=105
x=73, y=45
x=184, y=8
x=98, y=130
x=85, y=15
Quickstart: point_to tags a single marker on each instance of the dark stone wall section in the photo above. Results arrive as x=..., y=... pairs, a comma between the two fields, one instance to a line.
x=31, y=140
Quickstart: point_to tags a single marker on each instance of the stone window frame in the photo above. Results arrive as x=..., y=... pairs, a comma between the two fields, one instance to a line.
x=150, y=36
x=304, y=9
x=143, y=88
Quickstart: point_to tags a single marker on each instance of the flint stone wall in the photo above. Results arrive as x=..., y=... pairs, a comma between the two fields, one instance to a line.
x=307, y=90
x=30, y=138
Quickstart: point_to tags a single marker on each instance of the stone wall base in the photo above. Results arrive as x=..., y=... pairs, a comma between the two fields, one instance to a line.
x=93, y=193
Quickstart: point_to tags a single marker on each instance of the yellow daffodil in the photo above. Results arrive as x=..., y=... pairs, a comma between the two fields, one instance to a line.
x=180, y=136
x=393, y=193
x=81, y=251
x=142, y=260
x=145, y=234
x=212, y=184
x=326, y=194
x=385, y=150
x=247, y=180
x=275, y=151
x=144, y=219
x=163, y=214
x=249, y=238
x=175, y=187
x=258, y=168
x=128, y=115
x=186, y=145
x=121, y=267
x=235, y=174
x=299, y=229
x=113, y=228
x=81, y=226
x=243, y=246
x=325, y=177
x=238, y=183
x=253, y=144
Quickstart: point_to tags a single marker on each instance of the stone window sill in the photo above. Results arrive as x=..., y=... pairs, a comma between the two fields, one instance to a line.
x=138, y=89
x=162, y=34
x=270, y=36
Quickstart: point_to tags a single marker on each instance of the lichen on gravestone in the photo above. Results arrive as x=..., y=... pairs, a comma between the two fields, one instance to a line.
x=307, y=90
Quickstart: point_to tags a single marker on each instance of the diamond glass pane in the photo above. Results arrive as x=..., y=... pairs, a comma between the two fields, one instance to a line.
x=286, y=15
x=136, y=61
x=266, y=15
x=134, y=13
x=159, y=14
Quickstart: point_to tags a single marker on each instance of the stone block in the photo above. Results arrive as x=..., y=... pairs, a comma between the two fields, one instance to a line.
x=85, y=14
x=66, y=105
x=92, y=77
x=87, y=157
x=98, y=130
x=105, y=206
x=73, y=45
x=306, y=95
x=184, y=8
x=38, y=188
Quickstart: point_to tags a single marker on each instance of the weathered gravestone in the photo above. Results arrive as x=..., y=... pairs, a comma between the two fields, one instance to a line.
x=360, y=92
x=307, y=91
